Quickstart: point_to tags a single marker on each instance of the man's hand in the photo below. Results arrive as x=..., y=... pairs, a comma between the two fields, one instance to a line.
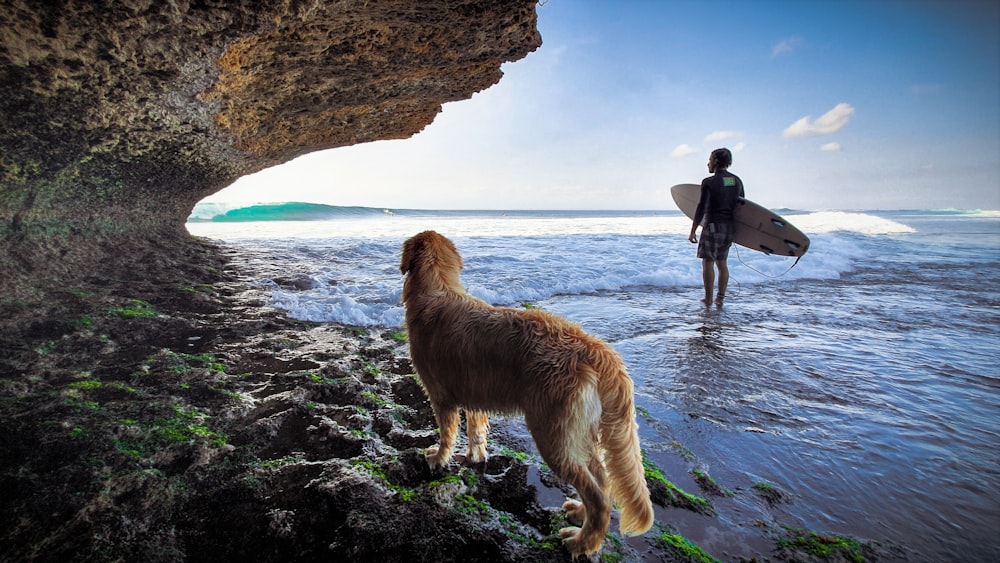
x=693, y=238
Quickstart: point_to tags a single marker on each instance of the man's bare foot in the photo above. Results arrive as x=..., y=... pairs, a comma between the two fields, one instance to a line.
x=719, y=300
x=707, y=302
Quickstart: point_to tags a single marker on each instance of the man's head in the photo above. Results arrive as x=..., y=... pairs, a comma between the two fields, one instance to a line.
x=720, y=159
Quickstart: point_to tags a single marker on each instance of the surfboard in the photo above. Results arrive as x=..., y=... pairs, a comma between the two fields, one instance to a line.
x=757, y=227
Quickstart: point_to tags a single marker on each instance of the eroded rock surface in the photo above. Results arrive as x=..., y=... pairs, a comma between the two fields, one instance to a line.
x=119, y=116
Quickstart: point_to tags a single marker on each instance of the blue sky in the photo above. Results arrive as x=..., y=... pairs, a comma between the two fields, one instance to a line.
x=827, y=104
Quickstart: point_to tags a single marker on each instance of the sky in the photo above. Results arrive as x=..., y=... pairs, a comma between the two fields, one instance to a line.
x=826, y=105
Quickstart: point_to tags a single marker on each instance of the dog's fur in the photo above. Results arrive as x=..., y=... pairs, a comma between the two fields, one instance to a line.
x=572, y=388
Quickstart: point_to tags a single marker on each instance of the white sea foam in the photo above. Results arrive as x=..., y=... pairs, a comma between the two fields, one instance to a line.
x=510, y=261
x=832, y=221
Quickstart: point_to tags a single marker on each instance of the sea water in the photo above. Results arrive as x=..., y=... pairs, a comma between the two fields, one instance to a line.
x=862, y=380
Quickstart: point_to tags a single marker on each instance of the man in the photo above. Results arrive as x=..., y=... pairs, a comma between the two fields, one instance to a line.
x=720, y=193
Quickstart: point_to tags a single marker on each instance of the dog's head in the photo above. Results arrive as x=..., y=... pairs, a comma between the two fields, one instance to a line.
x=429, y=254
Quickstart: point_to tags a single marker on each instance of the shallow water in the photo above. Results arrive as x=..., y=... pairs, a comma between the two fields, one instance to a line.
x=864, y=381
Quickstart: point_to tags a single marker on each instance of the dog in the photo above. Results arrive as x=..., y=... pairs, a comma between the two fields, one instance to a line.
x=572, y=388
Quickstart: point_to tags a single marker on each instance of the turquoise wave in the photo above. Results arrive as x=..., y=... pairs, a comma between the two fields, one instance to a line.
x=290, y=211
x=299, y=211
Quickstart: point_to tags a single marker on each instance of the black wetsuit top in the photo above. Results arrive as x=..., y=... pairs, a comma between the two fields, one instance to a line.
x=719, y=196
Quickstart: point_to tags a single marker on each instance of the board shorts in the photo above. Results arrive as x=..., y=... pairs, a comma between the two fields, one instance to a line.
x=716, y=238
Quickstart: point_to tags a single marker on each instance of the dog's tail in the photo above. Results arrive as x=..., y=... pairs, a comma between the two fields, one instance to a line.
x=620, y=441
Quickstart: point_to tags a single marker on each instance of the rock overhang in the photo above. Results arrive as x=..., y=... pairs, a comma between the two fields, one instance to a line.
x=119, y=116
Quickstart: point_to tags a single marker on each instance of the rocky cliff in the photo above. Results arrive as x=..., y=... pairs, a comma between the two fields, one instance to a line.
x=117, y=116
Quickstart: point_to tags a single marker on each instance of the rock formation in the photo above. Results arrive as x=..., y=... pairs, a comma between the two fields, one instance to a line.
x=117, y=117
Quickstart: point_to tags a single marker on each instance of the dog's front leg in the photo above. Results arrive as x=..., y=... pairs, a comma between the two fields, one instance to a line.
x=447, y=419
x=477, y=426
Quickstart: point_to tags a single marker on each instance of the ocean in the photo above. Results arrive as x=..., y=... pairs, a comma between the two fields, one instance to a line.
x=862, y=381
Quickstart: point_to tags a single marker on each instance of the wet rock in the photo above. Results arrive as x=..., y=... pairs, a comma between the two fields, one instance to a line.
x=297, y=283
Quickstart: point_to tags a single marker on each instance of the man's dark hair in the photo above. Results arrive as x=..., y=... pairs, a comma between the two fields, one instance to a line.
x=723, y=158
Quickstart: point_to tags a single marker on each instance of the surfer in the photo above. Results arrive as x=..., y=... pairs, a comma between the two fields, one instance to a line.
x=720, y=194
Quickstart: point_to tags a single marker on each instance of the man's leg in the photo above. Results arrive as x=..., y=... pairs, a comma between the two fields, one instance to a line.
x=723, y=280
x=708, y=278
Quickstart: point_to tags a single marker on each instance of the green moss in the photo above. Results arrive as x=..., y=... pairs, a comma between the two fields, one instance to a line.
x=446, y=480
x=405, y=494
x=204, y=361
x=88, y=384
x=675, y=494
x=137, y=309
x=504, y=450
x=467, y=504
x=130, y=447
x=379, y=401
x=770, y=493
x=182, y=364
x=15, y=172
x=371, y=467
x=369, y=368
x=708, y=484
x=91, y=406
x=469, y=477
x=465, y=476
x=192, y=287
x=186, y=425
x=84, y=322
x=683, y=451
x=822, y=545
x=399, y=336
x=683, y=547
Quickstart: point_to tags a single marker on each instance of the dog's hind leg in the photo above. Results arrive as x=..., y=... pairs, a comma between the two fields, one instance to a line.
x=567, y=441
x=477, y=426
x=576, y=511
x=447, y=419
x=594, y=511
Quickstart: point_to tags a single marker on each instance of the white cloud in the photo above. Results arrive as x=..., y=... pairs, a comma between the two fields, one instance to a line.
x=830, y=122
x=682, y=150
x=738, y=147
x=786, y=46
x=830, y=147
x=720, y=136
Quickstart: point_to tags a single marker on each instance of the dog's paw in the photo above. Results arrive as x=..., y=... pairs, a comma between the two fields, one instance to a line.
x=573, y=542
x=476, y=454
x=436, y=458
x=576, y=512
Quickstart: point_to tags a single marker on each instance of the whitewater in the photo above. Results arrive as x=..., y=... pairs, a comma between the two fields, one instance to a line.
x=863, y=381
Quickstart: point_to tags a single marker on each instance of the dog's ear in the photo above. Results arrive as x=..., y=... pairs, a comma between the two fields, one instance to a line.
x=411, y=250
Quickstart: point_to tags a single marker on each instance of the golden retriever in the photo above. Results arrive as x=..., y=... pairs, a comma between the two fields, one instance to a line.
x=571, y=387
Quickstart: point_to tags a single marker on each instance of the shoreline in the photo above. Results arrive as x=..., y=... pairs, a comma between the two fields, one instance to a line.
x=183, y=419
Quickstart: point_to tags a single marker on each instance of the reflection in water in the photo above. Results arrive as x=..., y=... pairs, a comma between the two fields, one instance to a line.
x=873, y=418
